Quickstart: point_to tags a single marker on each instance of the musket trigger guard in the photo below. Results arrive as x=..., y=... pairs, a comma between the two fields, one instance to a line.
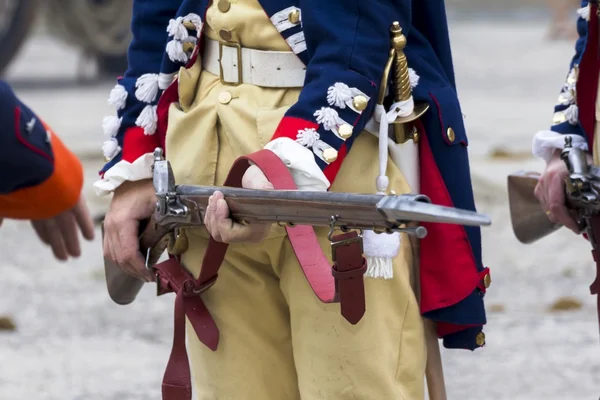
x=332, y=225
x=332, y=228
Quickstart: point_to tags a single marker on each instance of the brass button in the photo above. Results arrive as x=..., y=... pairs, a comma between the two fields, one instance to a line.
x=224, y=6
x=189, y=25
x=360, y=102
x=294, y=17
x=188, y=47
x=480, y=339
x=345, y=131
x=559, y=118
x=330, y=155
x=487, y=280
x=225, y=97
x=225, y=35
x=451, y=135
x=415, y=136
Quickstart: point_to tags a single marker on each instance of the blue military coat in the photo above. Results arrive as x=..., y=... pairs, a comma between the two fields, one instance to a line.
x=574, y=112
x=39, y=177
x=339, y=42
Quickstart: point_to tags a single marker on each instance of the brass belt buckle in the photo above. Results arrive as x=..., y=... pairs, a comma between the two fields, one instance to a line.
x=239, y=63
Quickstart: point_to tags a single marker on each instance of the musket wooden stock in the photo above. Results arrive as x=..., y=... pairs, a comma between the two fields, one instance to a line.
x=122, y=287
x=529, y=221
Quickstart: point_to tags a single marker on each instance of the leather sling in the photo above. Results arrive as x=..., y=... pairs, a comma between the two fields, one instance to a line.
x=343, y=282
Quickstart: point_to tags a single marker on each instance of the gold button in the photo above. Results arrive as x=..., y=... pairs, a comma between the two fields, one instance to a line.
x=189, y=25
x=480, y=339
x=330, y=155
x=360, y=102
x=224, y=5
x=224, y=97
x=345, y=131
x=225, y=35
x=294, y=17
x=188, y=47
x=487, y=280
x=451, y=135
x=559, y=118
x=415, y=136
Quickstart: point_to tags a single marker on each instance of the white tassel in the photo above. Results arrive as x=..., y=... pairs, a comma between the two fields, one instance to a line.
x=307, y=137
x=147, y=88
x=195, y=20
x=148, y=120
x=176, y=53
x=566, y=97
x=165, y=80
x=413, y=78
x=176, y=29
x=572, y=114
x=111, y=126
x=584, y=12
x=328, y=117
x=380, y=249
x=110, y=148
x=118, y=97
x=339, y=94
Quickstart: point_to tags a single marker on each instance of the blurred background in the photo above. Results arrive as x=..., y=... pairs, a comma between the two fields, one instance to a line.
x=62, y=338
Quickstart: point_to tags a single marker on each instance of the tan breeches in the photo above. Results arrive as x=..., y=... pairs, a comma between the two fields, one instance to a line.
x=278, y=341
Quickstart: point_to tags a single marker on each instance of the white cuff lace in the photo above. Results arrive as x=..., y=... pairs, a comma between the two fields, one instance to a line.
x=301, y=163
x=124, y=171
x=545, y=142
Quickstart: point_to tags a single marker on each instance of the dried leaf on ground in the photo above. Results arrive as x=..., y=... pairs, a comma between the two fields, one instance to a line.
x=7, y=324
x=496, y=308
x=566, y=304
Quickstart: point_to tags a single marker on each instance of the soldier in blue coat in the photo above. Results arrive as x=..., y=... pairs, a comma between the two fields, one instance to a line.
x=576, y=115
x=209, y=81
x=40, y=179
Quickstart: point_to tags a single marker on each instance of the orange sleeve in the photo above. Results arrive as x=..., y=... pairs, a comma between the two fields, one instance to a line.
x=59, y=193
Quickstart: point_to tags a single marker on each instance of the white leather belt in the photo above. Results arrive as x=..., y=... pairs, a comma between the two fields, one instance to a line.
x=275, y=69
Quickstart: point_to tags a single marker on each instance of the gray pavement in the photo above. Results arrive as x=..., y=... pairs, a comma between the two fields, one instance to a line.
x=72, y=343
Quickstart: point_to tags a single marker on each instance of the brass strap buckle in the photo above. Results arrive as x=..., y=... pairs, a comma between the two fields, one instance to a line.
x=341, y=242
x=239, y=63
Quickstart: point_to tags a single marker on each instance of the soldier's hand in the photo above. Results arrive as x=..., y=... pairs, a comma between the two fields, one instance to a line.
x=217, y=219
x=550, y=191
x=61, y=232
x=131, y=203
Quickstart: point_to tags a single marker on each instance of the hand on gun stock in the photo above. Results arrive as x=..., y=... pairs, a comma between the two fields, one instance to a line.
x=550, y=191
x=132, y=203
x=218, y=219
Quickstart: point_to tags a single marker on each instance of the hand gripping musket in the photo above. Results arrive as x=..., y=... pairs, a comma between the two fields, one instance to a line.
x=530, y=222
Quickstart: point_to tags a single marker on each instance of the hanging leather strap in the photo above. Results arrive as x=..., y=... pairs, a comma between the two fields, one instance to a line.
x=595, y=286
x=341, y=283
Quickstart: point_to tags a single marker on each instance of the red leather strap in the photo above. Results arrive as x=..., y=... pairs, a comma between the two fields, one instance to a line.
x=348, y=270
x=343, y=283
x=587, y=83
x=595, y=286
